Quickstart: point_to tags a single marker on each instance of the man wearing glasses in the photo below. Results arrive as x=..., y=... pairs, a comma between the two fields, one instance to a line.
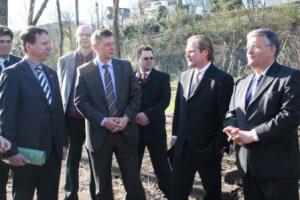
x=151, y=118
x=6, y=59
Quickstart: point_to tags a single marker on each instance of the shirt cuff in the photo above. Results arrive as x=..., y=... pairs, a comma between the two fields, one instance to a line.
x=103, y=121
x=255, y=137
x=174, y=137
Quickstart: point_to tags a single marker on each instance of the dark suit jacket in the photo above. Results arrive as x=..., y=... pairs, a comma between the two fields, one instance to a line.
x=198, y=118
x=13, y=59
x=156, y=94
x=91, y=101
x=26, y=118
x=274, y=113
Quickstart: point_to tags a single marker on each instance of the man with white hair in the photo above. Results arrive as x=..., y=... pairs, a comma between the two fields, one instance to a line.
x=66, y=70
x=263, y=122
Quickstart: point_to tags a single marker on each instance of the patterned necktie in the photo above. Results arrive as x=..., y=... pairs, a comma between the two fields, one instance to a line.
x=110, y=93
x=44, y=83
x=143, y=78
x=251, y=88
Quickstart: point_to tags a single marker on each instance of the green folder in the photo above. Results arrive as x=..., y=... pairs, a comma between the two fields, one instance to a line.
x=36, y=157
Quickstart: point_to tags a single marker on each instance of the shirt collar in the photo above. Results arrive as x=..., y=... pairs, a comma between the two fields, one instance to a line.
x=2, y=60
x=31, y=64
x=204, y=69
x=263, y=73
x=147, y=72
x=100, y=64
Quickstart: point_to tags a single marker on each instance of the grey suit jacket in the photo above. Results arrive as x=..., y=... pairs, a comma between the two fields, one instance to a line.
x=91, y=102
x=274, y=113
x=65, y=73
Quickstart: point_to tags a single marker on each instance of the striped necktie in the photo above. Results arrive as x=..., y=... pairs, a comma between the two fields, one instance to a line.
x=44, y=83
x=110, y=93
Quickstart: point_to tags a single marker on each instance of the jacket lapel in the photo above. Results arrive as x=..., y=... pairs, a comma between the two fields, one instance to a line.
x=186, y=82
x=267, y=80
x=117, y=73
x=244, y=89
x=96, y=78
x=28, y=74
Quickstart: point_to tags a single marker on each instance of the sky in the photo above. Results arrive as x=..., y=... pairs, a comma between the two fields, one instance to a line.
x=18, y=10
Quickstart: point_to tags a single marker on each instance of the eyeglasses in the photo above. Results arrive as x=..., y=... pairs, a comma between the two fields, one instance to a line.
x=148, y=58
x=5, y=41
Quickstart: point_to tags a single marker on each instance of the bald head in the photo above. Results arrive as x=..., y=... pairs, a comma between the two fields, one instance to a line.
x=83, y=36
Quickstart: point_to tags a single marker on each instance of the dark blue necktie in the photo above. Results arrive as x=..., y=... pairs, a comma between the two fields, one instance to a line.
x=252, y=87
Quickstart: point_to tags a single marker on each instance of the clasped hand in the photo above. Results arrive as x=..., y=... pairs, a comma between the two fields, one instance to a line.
x=239, y=136
x=116, y=124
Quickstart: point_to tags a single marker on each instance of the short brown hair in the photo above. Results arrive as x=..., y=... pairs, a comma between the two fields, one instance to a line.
x=204, y=43
x=4, y=30
x=99, y=34
x=29, y=35
x=143, y=48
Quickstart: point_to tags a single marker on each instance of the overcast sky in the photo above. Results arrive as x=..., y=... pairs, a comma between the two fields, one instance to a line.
x=18, y=10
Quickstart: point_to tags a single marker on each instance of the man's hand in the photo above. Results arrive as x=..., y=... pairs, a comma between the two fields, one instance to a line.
x=142, y=119
x=173, y=141
x=239, y=136
x=111, y=123
x=4, y=145
x=65, y=153
x=121, y=124
x=18, y=160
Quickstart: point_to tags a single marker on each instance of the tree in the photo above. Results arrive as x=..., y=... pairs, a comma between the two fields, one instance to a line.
x=61, y=31
x=33, y=20
x=77, y=12
x=116, y=27
x=3, y=12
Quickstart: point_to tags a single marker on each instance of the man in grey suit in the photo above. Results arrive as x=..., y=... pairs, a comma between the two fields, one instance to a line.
x=32, y=117
x=108, y=95
x=263, y=121
x=66, y=71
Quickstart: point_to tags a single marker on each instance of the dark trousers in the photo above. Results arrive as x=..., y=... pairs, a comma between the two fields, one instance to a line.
x=126, y=156
x=76, y=131
x=269, y=189
x=157, y=151
x=184, y=174
x=4, y=172
x=44, y=179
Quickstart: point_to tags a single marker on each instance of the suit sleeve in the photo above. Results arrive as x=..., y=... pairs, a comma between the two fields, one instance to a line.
x=134, y=97
x=164, y=99
x=8, y=108
x=288, y=118
x=82, y=101
x=176, y=114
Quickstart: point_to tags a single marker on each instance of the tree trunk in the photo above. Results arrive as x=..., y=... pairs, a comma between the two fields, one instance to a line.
x=61, y=32
x=34, y=20
x=77, y=13
x=116, y=27
x=3, y=12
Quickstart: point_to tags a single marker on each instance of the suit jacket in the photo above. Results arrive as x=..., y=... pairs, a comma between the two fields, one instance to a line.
x=13, y=59
x=198, y=118
x=27, y=120
x=275, y=115
x=156, y=94
x=91, y=101
x=65, y=73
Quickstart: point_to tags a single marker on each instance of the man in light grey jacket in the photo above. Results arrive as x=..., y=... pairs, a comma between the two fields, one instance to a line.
x=66, y=70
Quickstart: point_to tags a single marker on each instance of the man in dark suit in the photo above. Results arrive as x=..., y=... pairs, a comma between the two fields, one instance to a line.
x=156, y=94
x=202, y=99
x=66, y=71
x=32, y=117
x=263, y=121
x=6, y=59
x=108, y=95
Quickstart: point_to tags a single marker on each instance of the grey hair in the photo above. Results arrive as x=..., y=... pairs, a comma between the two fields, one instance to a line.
x=80, y=27
x=99, y=34
x=269, y=35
